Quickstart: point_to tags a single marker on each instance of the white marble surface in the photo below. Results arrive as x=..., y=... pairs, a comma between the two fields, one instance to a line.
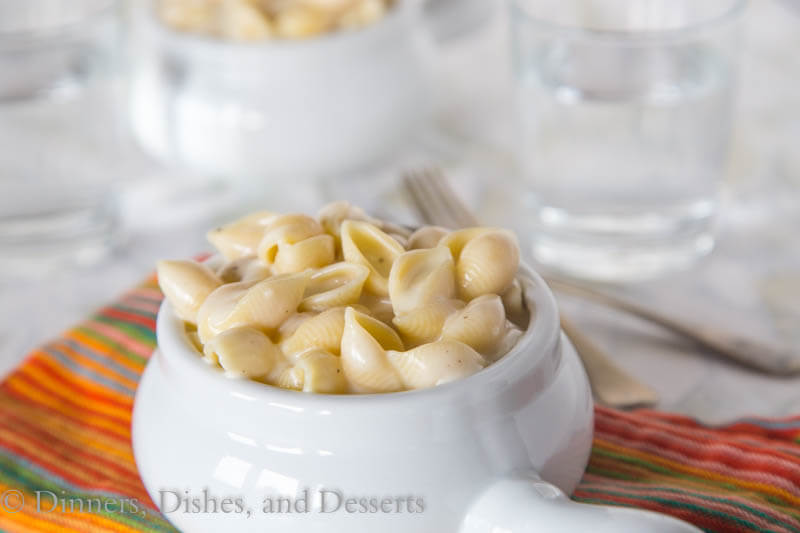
x=751, y=282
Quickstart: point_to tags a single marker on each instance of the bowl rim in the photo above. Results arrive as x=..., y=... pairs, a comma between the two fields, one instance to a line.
x=208, y=43
x=103, y=9
x=633, y=37
x=537, y=353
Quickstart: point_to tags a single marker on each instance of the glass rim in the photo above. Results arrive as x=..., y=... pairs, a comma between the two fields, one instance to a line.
x=730, y=14
x=210, y=42
x=33, y=34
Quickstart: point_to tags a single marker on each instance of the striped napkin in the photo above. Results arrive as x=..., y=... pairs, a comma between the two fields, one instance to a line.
x=65, y=434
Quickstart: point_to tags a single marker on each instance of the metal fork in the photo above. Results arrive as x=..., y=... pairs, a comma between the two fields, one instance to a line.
x=437, y=204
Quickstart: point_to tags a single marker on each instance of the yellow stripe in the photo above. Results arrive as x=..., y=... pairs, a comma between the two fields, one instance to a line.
x=77, y=433
x=111, y=352
x=53, y=386
x=90, y=364
x=60, y=431
x=751, y=485
x=56, y=366
x=36, y=396
x=35, y=450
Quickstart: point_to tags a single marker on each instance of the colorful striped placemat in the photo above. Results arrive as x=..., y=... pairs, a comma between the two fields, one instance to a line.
x=65, y=432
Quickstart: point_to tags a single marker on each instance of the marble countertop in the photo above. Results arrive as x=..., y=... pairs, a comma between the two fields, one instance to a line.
x=751, y=282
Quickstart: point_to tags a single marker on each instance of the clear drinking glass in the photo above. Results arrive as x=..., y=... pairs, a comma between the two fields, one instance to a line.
x=56, y=119
x=624, y=111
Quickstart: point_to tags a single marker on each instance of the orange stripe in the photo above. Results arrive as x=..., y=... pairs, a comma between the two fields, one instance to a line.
x=78, y=433
x=31, y=519
x=110, y=351
x=35, y=395
x=54, y=439
x=53, y=387
x=89, y=363
x=751, y=485
x=85, y=387
x=141, y=347
x=79, y=474
x=19, y=402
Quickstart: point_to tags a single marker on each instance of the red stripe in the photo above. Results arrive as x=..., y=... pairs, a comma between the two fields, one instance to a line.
x=735, y=428
x=711, y=455
x=702, y=521
x=75, y=386
x=113, y=337
x=123, y=424
x=733, y=503
x=8, y=391
x=129, y=317
x=700, y=436
x=66, y=448
x=102, y=483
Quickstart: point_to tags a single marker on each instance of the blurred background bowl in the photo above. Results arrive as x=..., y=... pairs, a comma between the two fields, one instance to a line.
x=318, y=106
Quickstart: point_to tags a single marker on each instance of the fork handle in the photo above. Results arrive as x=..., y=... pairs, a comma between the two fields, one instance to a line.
x=744, y=350
x=611, y=385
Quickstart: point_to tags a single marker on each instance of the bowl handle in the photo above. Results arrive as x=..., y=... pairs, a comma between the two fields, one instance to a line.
x=528, y=504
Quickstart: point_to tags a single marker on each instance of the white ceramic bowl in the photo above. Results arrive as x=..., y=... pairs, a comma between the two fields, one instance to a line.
x=493, y=452
x=317, y=106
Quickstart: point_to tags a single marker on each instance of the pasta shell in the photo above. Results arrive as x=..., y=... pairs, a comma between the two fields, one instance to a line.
x=194, y=338
x=507, y=341
x=186, y=285
x=241, y=237
x=402, y=241
x=299, y=21
x=456, y=240
x=487, y=264
x=365, y=244
x=425, y=323
x=395, y=230
x=516, y=308
x=186, y=15
x=420, y=277
x=245, y=352
x=240, y=20
x=216, y=308
x=247, y=268
x=288, y=229
x=264, y=304
x=292, y=324
x=268, y=303
x=314, y=252
x=362, y=14
x=480, y=325
x=315, y=371
x=364, y=344
x=427, y=237
x=435, y=363
x=336, y=285
x=323, y=331
x=332, y=215
x=377, y=306
x=291, y=378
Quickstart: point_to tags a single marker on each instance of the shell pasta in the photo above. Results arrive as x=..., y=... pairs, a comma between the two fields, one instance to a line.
x=344, y=303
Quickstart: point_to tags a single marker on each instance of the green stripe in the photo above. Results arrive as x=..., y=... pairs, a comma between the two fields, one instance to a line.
x=689, y=507
x=112, y=345
x=750, y=510
x=136, y=331
x=659, y=469
x=134, y=311
x=601, y=501
x=15, y=475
